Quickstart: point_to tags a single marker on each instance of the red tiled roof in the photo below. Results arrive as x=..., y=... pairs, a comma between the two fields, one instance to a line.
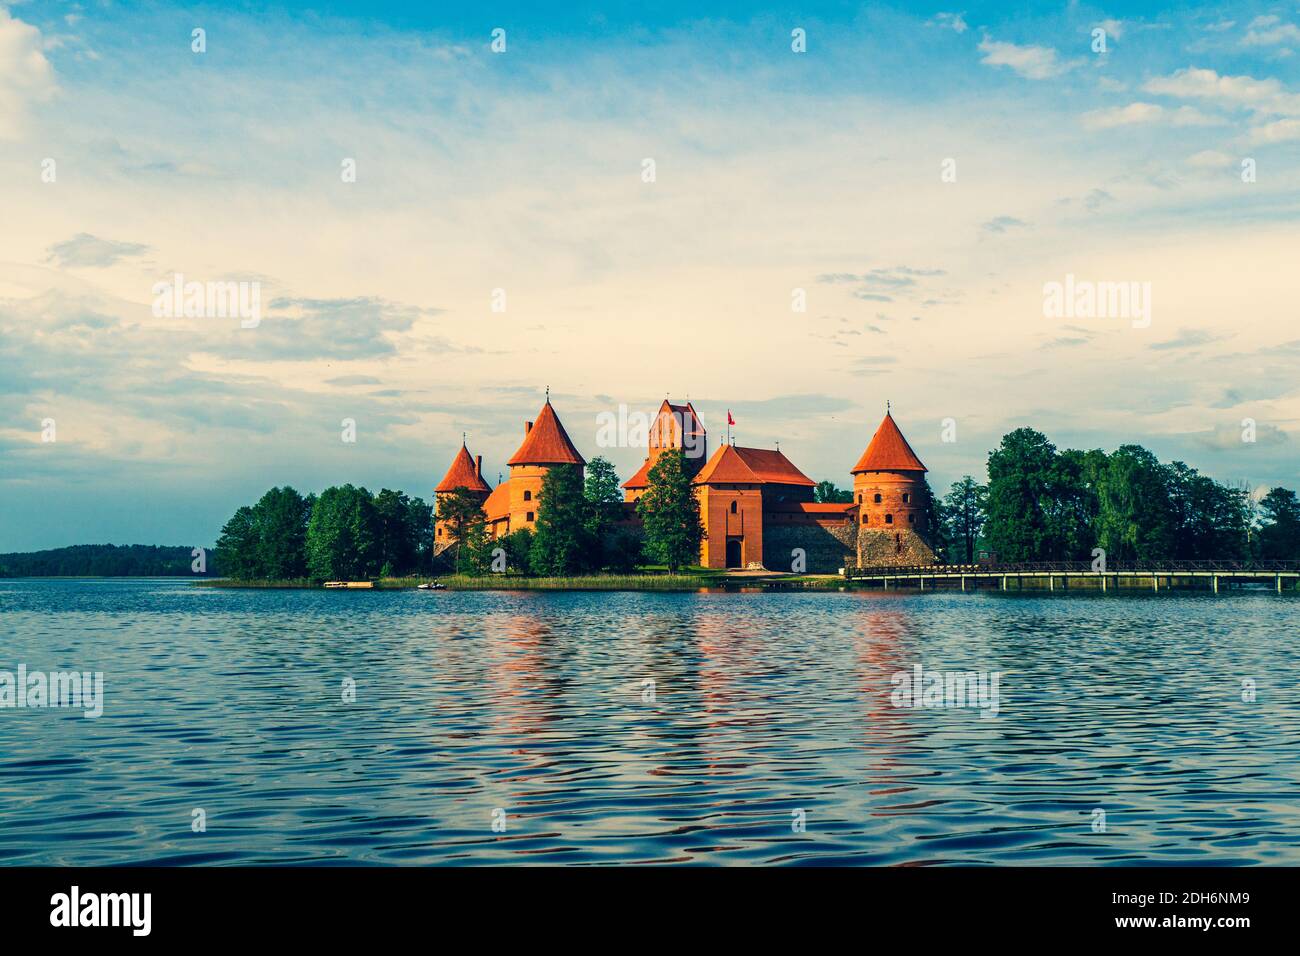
x=497, y=505
x=811, y=507
x=732, y=464
x=547, y=443
x=463, y=474
x=642, y=477
x=888, y=451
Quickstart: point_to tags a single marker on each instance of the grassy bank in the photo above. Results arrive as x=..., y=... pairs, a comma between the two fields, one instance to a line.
x=232, y=583
x=686, y=581
x=594, y=582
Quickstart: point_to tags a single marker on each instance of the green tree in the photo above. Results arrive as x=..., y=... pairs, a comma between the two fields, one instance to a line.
x=397, y=548
x=670, y=513
x=963, y=509
x=281, y=516
x=419, y=521
x=1020, y=482
x=343, y=535
x=828, y=493
x=562, y=544
x=519, y=549
x=239, y=547
x=1135, y=519
x=1279, y=533
x=604, y=499
x=458, y=510
x=1071, y=504
x=478, y=548
x=1210, y=520
x=624, y=550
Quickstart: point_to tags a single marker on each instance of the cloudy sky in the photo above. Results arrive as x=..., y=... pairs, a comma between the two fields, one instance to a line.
x=126, y=157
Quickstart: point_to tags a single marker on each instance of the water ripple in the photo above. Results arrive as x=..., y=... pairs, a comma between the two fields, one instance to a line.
x=535, y=705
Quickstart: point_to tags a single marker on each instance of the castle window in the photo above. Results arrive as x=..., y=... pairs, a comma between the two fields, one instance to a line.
x=859, y=498
x=864, y=519
x=889, y=519
x=528, y=496
x=530, y=516
x=733, y=507
x=906, y=497
x=911, y=519
x=877, y=497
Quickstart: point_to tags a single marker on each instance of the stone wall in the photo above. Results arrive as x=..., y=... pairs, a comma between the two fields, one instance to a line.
x=827, y=545
x=879, y=547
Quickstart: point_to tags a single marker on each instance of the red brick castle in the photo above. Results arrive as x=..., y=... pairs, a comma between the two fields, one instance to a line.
x=756, y=506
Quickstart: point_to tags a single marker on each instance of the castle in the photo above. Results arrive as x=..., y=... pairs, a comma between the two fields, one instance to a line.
x=757, y=508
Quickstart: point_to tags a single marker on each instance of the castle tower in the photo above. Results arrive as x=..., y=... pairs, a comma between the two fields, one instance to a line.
x=465, y=472
x=890, y=492
x=545, y=444
x=675, y=426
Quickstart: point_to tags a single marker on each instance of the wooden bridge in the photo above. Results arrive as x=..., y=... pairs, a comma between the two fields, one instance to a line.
x=1064, y=575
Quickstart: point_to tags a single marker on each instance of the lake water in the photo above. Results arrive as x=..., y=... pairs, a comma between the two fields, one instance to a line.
x=535, y=708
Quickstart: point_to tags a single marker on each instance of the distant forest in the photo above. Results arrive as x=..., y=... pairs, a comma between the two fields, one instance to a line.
x=104, y=560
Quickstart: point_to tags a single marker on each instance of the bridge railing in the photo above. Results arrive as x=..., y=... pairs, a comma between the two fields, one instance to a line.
x=1079, y=567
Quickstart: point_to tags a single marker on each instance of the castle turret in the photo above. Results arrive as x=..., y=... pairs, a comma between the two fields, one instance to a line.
x=545, y=444
x=890, y=493
x=465, y=472
x=675, y=427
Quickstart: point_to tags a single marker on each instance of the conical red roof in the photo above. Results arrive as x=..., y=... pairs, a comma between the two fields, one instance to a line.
x=547, y=443
x=463, y=474
x=888, y=451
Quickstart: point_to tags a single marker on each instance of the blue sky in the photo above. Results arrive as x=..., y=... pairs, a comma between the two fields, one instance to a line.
x=775, y=171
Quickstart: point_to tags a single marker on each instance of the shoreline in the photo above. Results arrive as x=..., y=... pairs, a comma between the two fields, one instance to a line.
x=752, y=582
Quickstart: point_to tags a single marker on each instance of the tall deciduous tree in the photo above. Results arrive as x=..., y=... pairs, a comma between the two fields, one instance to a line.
x=1135, y=519
x=827, y=493
x=281, y=516
x=458, y=510
x=239, y=547
x=343, y=535
x=562, y=544
x=604, y=500
x=396, y=536
x=1071, y=504
x=1210, y=520
x=963, y=511
x=670, y=513
x=1279, y=533
x=1020, y=479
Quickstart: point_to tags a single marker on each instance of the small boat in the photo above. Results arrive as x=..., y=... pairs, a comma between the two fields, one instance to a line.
x=432, y=586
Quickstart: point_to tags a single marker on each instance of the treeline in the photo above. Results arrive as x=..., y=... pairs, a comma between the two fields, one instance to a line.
x=345, y=533
x=1045, y=504
x=103, y=560
x=581, y=525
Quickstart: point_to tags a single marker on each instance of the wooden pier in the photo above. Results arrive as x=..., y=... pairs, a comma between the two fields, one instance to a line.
x=1054, y=576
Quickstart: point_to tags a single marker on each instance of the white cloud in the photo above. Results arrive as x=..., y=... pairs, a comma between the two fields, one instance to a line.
x=86, y=251
x=1210, y=159
x=25, y=75
x=1123, y=116
x=1113, y=28
x=1279, y=131
x=1270, y=31
x=1031, y=62
x=954, y=21
x=1191, y=116
x=1137, y=113
x=1264, y=96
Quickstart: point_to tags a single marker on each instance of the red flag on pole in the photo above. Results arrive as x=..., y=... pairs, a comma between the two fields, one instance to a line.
x=730, y=420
